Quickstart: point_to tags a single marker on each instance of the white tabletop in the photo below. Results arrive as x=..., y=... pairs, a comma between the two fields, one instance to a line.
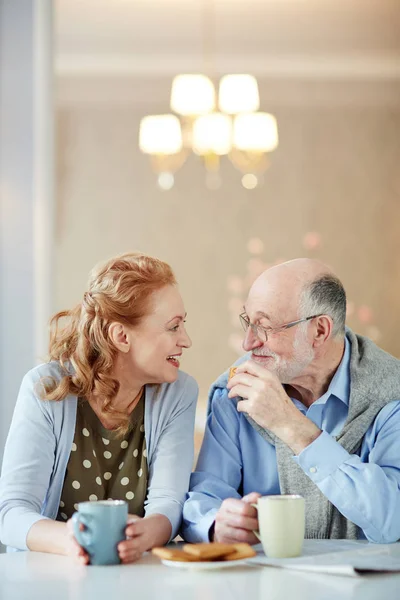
x=37, y=576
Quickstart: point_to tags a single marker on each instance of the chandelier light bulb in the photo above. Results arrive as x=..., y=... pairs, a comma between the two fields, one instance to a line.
x=249, y=181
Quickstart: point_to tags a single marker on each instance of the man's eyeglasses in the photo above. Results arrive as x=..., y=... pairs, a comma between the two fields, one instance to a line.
x=264, y=332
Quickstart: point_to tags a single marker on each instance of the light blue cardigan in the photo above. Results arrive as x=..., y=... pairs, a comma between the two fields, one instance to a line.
x=40, y=440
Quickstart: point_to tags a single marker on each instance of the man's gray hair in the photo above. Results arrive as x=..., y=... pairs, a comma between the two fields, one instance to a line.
x=325, y=296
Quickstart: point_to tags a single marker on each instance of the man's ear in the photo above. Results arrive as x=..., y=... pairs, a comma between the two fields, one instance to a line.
x=119, y=337
x=323, y=330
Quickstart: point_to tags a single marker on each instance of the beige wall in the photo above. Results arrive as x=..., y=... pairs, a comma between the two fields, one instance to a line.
x=336, y=172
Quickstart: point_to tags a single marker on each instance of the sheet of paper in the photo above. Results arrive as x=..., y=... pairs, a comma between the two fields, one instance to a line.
x=340, y=557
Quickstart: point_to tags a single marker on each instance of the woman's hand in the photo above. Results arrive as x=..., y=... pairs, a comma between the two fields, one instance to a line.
x=143, y=534
x=135, y=544
x=73, y=548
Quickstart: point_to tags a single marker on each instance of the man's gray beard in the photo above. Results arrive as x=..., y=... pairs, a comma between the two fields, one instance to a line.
x=287, y=370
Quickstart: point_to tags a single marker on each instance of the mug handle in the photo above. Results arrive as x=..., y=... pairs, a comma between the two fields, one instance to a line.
x=256, y=533
x=84, y=538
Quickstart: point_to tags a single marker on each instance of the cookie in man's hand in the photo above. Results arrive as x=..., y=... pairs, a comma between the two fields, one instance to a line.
x=232, y=372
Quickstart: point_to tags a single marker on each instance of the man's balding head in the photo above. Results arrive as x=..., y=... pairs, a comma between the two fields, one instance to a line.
x=301, y=288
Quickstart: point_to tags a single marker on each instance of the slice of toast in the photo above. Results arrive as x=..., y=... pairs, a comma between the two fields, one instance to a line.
x=208, y=551
x=240, y=551
x=213, y=551
x=172, y=554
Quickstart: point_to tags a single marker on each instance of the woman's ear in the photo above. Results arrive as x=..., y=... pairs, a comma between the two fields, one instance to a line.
x=119, y=337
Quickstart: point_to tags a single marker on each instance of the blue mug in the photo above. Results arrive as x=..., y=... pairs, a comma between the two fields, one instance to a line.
x=104, y=523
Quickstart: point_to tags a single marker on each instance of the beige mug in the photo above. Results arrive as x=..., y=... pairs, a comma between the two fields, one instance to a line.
x=281, y=525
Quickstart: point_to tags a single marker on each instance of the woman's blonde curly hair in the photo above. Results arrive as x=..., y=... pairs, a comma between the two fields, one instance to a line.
x=118, y=290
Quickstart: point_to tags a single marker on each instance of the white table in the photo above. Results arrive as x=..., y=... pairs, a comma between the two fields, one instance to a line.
x=37, y=576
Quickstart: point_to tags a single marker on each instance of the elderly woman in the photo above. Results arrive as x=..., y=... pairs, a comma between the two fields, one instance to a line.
x=110, y=416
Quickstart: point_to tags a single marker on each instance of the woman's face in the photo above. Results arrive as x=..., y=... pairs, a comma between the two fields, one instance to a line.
x=158, y=341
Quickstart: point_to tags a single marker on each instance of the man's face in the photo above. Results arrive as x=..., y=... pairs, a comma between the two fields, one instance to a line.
x=287, y=352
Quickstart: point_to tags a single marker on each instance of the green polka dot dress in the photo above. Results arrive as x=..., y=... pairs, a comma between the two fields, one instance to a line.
x=102, y=466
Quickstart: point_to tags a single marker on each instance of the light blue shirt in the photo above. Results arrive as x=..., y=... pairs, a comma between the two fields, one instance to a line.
x=235, y=460
x=40, y=440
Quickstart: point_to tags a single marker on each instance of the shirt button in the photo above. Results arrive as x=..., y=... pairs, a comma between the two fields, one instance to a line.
x=313, y=469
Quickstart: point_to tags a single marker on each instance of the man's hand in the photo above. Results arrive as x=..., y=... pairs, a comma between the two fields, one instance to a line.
x=236, y=520
x=265, y=401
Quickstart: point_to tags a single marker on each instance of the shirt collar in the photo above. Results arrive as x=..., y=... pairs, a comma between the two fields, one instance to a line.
x=340, y=384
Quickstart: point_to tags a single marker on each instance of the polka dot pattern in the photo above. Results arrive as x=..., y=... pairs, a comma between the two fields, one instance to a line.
x=105, y=467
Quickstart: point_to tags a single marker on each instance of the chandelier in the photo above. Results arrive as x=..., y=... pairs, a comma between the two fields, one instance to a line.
x=211, y=126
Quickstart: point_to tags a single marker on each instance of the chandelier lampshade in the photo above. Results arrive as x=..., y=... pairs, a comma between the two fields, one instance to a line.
x=160, y=134
x=255, y=132
x=192, y=95
x=238, y=93
x=212, y=134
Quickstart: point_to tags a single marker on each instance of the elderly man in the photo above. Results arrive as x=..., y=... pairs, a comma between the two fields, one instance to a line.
x=313, y=410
